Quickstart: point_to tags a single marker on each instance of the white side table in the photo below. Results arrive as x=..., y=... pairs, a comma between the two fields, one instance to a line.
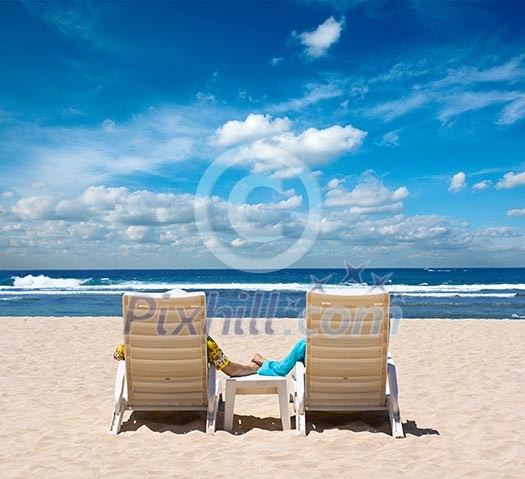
x=256, y=384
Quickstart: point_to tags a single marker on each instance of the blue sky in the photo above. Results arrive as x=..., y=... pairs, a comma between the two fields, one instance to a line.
x=408, y=118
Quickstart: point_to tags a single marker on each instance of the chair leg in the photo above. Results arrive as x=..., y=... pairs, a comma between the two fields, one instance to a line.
x=213, y=401
x=283, y=405
x=393, y=402
x=211, y=417
x=300, y=423
x=299, y=393
x=120, y=399
x=116, y=422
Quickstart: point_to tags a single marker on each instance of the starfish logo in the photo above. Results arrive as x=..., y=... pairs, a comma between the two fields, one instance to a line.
x=318, y=284
x=353, y=273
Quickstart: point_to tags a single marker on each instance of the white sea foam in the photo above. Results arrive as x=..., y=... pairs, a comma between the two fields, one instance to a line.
x=105, y=292
x=41, y=281
x=59, y=292
x=45, y=285
x=453, y=288
x=460, y=295
x=69, y=286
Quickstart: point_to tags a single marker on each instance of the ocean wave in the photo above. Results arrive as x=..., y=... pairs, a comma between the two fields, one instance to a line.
x=453, y=288
x=41, y=281
x=31, y=282
x=17, y=297
x=46, y=285
x=117, y=292
x=459, y=295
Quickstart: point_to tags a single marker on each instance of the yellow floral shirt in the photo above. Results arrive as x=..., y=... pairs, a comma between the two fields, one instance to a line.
x=215, y=354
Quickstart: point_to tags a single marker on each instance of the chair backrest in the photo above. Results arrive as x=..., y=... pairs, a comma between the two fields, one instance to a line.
x=165, y=348
x=346, y=350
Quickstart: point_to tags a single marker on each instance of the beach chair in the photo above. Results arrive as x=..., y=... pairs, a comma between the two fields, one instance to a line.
x=166, y=366
x=347, y=365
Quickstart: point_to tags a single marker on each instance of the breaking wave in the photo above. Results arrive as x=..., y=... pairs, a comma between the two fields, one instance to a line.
x=43, y=284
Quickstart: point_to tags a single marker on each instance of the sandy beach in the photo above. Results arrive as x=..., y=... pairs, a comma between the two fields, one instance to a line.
x=461, y=388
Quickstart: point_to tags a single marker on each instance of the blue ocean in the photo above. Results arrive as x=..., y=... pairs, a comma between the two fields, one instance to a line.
x=417, y=293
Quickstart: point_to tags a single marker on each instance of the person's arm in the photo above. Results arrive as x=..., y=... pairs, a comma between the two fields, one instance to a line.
x=222, y=363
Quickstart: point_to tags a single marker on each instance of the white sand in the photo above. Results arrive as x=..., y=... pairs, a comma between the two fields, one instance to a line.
x=461, y=394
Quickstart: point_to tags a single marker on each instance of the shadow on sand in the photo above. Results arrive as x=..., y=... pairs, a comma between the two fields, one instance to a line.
x=188, y=421
x=179, y=422
x=374, y=422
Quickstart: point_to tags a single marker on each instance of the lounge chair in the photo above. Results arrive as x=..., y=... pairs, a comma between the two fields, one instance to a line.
x=347, y=365
x=166, y=367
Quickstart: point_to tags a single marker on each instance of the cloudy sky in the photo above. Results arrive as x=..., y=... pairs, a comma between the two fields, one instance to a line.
x=176, y=135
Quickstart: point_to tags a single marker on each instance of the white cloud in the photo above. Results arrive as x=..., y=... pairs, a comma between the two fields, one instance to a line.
x=276, y=61
x=116, y=221
x=35, y=207
x=113, y=205
x=314, y=94
x=7, y=194
x=482, y=185
x=283, y=173
x=108, y=125
x=102, y=198
x=513, y=112
x=391, y=139
x=510, y=71
x=145, y=214
x=288, y=153
x=254, y=127
x=124, y=228
x=71, y=210
x=318, y=41
x=516, y=212
x=139, y=234
x=72, y=19
x=391, y=110
x=458, y=182
x=413, y=234
x=412, y=229
x=498, y=232
x=334, y=183
x=511, y=180
x=292, y=202
x=149, y=208
x=39, y=185
x=401, y=71
x=71, y=112
x=205, y=97
x=13, y=227
x=456, y=93
x=89, y=230
x=324, y=145
x=370, y=196
x=73, y=158
x=238, y=243
x=457, y=104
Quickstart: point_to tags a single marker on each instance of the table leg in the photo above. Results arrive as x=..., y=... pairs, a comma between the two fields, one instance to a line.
x=229, y=405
